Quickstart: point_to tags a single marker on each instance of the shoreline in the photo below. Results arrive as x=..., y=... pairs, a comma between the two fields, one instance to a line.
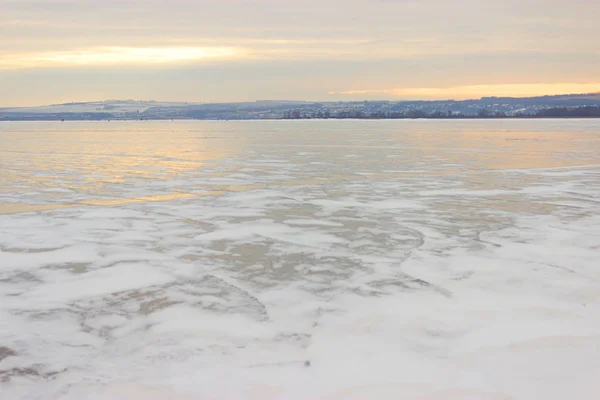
x=462, y=118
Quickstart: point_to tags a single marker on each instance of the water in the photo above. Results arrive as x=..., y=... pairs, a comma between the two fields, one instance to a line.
x=300, y=259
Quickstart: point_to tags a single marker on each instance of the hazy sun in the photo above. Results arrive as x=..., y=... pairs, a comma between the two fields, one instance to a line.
x=116, y=56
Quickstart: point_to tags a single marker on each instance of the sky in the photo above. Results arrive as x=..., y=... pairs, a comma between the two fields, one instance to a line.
x=55, y=51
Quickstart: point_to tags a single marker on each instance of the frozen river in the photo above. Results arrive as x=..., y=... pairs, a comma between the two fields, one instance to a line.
x=300, y=260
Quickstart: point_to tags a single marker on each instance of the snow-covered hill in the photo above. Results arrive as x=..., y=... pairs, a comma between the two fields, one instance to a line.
x=112, y=106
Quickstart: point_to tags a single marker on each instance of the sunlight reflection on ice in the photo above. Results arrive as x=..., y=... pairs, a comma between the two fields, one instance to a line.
x=294, y=260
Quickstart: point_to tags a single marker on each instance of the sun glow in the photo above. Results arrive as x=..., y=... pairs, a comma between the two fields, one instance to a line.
x=117, y=56
x=474, y=91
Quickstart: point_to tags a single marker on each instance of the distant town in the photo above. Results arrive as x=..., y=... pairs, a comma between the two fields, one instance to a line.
x=559, y=106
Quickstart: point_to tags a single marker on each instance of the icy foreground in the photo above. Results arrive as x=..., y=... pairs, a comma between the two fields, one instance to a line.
x=300, y=260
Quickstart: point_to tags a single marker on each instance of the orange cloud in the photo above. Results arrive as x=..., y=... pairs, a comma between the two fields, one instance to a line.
x=117, y=56
x=474, y=91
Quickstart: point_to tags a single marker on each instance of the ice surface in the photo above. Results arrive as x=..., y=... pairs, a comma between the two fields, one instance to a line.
x=300, y=260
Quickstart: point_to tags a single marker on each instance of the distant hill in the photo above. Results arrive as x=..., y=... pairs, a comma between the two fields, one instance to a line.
x=555, y=100
x=111, y=106
x=290, y=109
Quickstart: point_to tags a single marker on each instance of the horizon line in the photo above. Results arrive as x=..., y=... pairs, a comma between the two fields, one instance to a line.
x=300, y=101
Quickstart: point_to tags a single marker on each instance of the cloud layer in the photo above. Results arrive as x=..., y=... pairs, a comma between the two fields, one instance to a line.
x=328, y=49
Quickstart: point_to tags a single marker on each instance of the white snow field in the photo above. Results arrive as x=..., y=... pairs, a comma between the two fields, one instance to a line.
x=300, y=260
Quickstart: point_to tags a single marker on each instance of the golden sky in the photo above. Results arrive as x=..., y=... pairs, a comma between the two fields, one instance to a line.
x=54, y=51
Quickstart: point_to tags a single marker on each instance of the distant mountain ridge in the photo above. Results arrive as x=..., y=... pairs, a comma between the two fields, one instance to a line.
x=551, y=98
x=290, y=109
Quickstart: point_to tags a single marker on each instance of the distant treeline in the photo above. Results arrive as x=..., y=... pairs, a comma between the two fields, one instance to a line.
x=90, y=116
x=556, y=112
x=320, y=113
